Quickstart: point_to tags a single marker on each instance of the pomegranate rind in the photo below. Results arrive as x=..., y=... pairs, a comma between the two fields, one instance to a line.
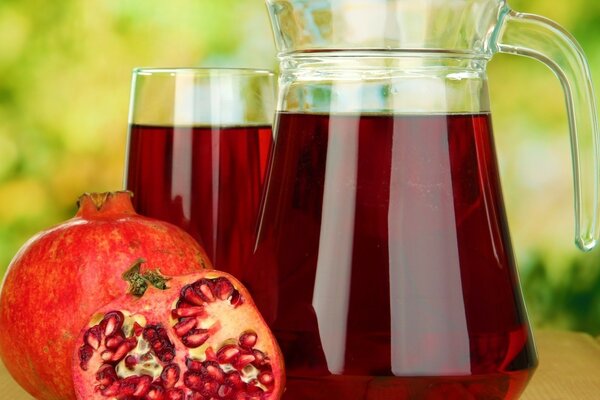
x=61, y=275
x=229, y=322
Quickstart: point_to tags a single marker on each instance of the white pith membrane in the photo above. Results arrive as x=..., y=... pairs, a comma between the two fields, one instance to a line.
x=148, y=362
x=223, y=331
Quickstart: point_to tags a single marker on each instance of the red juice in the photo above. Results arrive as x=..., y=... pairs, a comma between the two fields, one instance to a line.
x=384, y=264
x=206, y=180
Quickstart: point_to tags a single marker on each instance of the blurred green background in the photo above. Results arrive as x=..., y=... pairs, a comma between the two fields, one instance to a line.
x=65, y=70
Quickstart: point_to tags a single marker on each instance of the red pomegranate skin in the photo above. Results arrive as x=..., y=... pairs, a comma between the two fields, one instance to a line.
x=61, y=275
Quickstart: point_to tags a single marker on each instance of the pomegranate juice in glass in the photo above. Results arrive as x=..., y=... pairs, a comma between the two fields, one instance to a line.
x=199, y=140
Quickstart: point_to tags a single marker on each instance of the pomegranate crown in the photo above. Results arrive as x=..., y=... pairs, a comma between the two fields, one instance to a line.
x=140, y=282
x=105, y=204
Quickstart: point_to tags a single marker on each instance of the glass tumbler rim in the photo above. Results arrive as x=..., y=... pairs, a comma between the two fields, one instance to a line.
x=203, y=71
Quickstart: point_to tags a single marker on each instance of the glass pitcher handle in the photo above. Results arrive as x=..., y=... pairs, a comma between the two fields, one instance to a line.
x=544, y=40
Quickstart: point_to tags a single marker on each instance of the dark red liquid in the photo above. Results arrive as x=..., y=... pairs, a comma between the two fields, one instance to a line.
x=206, y=180
x=384, y=263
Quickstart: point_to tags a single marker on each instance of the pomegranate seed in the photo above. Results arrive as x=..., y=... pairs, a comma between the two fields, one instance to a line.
x=130, y=362
x=223, y=288
x=210, y=354
x=209, y=389
x=247, y=396
x=195, y=338
x=112, y=390
x=253, y=387
x=156, y=392
x=193, y=381
x=149, y=333
x=191, y=311
x=196, y=396
x=244, y=360
x=154, y=332
x=228, y=354
x=128, y=386
x=236, y=299
x=212, y=371
x=261, y=358
x=93, y=337
x=183, y=327
x=112, y=322
x=190, y=295
x=193, y=365
x=107, y=355
x=168, y=355
x=114, y=341
x=175, y=394
x=86, y=352
x=181, y=303
x=248, y=339
x=158, y=345
x=143, y=386
x=203, y=288
x=106, y=375
x=266, y=378
x=137, y=329
x=123, y=349
x=224, y=391
x=234, y=379
x=170, y=375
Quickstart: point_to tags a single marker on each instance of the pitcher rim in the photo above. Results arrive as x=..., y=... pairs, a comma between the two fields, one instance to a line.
x=385, y=53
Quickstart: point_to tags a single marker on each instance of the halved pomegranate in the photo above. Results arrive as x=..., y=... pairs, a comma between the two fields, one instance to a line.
x=201, y=338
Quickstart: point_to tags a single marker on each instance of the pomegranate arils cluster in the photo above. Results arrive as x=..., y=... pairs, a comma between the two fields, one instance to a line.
x=144, y=357
x=159, y=341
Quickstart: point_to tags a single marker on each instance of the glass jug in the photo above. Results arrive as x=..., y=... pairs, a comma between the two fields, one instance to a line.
x=383, y=260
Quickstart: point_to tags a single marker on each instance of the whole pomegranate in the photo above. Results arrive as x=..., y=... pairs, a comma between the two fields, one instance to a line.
x=62, y=275
x=201, y=338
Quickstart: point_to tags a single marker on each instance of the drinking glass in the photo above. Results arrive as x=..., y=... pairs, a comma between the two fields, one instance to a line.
x=197, y=151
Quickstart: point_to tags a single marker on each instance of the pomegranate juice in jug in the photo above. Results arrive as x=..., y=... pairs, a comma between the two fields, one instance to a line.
x=382, y=255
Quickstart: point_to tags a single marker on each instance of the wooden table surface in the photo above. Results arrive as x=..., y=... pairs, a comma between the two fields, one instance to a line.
x=569, y=370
